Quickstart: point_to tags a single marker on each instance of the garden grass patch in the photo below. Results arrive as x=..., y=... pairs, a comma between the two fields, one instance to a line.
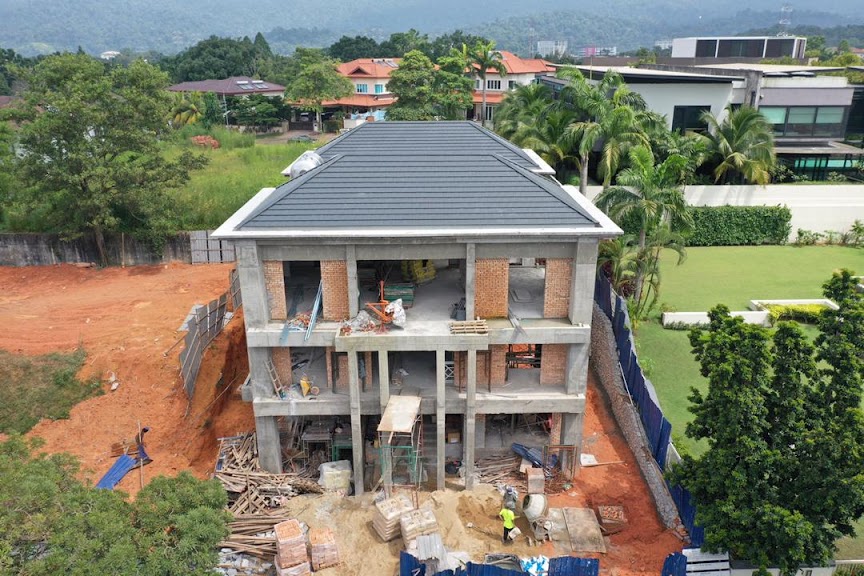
x=36, y=387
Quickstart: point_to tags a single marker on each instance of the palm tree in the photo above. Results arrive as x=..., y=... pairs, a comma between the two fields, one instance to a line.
x=614, y=115
x=483, y=57
x=617, y=259
x=521, y=108
x=186, y=108
x=742, y=144
x=647, y=197
x=549, y=137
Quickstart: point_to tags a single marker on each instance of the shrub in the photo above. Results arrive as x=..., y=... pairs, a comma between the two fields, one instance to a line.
x=739, y=225
x=808, y=237
x=681, y=326
x=226, y=138
x=806, y=313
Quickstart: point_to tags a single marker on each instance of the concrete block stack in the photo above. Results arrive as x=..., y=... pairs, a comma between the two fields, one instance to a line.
x=322, y=548
x=536, y=480
x=292, y=559
x=387, y=515
x=417, y=523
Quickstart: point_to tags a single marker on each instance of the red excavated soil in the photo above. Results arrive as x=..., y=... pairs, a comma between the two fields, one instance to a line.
x=126, y=318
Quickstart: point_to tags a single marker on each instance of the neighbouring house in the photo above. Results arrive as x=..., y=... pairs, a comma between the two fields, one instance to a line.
x=809, y=108
x=519, y=72
x=235, y=86
x=754, y=48
x=371, y=96
x=458, y=224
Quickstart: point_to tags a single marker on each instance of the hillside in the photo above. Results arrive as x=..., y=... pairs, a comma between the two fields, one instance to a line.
x=34, y=26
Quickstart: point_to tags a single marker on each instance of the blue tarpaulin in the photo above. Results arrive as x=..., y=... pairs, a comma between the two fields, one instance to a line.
x=570, y=566
x=564, y=566
x=120, y=468
x=675, y=565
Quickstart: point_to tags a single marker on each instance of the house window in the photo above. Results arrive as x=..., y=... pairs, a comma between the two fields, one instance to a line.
x=775, y=115
x=362, y=88
x=798, y=121
x=379, y=88
x=493, y=84
x=512, y=84
x=689, y=118
x=490, y=112
x=477, y=84
x=829, y=121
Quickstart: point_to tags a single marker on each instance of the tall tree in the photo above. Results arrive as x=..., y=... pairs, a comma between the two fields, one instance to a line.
x=647, y=197
x=186, y=108
x=319, y=80
x=521, y=110
x=400, y=43
x=443, y=44
x=549, y=136
x=483, y=58
x=216, y=58
x=347, y=48
x=413, y=86
x=454, y=91
x=90, y=153
x=780, y=481
x=741, y=145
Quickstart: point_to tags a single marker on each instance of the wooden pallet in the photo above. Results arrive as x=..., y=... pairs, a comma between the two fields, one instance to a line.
x=469, y=327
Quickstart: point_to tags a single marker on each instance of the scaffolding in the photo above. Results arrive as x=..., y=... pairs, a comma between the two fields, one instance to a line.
x=400, y=441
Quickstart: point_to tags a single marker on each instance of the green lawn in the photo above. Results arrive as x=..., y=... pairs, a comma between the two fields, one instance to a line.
x=731, y=276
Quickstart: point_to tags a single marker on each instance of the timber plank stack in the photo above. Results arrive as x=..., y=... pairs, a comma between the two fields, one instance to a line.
x=417, y=523
x=387, y=515
x=469, y=327
x=292, y=558
x=322, y=548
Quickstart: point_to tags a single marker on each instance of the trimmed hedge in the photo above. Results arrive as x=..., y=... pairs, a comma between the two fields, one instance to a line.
x=739, y=225
x=806, y=313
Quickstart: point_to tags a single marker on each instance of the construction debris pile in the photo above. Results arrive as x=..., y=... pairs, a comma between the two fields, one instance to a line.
x=251, y=491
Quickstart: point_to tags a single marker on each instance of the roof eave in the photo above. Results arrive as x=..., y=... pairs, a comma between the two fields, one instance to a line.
x=599, y=231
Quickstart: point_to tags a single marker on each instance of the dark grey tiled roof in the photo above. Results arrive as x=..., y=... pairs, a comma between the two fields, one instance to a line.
x=411, y=138
x=419, y=176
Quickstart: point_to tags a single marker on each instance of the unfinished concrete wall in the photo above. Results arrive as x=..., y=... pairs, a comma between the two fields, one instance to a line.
x=491, y=287
x=281, y=358
x=274, y=281
x=334, y=276
x=604, y=362
x=556, y=292
x=553, y=364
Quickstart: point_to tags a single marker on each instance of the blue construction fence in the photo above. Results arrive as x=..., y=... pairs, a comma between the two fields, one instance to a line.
x=563, y=566
x=657, y=428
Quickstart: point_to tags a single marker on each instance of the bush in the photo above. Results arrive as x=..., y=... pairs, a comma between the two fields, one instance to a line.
x=227, y=138
x=808, y=237
x=805, y=313
x=739, y=225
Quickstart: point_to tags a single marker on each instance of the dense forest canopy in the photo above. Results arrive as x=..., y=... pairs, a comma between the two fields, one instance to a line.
x=42, y=26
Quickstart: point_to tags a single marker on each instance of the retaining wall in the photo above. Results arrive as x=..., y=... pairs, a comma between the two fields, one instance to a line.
x=49, y=249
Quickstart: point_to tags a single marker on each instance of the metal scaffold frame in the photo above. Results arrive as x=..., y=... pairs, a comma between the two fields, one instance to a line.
x=400, y=442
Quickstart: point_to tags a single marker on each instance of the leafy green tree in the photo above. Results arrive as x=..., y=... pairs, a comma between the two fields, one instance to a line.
x=186, y=108
x=7, y=159
x=443, y=44
x=453, y=90
x=51, y=523
x=483, y=58
x=612, y=118
x=213, y=111
x=218, y=58
x=648, y=196
x=256, y=111
x=90, y=158
x=741, y=146
x=780, y=481
x=347, y=48
x=319, y=80
x=413, y=86
x=400, y=43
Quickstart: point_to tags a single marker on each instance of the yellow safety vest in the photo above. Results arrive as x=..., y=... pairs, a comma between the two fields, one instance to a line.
x=508, y=516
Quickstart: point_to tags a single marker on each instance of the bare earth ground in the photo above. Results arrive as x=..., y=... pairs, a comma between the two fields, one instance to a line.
x=126, y=319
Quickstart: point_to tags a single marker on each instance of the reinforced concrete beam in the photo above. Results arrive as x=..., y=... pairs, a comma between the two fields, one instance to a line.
x=470, y=408
x=269, y=446
x=440, y=418
x=301, y=253
x=408, y=342
x=356, y=422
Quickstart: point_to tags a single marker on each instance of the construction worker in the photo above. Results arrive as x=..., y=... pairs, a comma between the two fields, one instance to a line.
x=508, y=516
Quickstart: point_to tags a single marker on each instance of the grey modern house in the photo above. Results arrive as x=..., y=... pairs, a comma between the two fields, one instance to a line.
x=460, y=225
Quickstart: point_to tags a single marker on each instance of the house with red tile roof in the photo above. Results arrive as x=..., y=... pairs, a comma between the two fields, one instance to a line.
x=520, y=72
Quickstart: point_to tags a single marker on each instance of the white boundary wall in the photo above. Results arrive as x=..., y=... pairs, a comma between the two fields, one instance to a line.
x=814, y=207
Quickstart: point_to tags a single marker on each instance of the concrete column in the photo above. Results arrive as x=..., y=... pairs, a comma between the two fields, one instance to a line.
x=250, y=270
x=582, y=287
x=470, y=410
x=262, y=386
x=470, y=272
x=576, y=375
x=269, y=446
x=356, y=423
x=353, y=285
x=383, y=378
x=480, y=430
x=440, y=418
x=571, y=433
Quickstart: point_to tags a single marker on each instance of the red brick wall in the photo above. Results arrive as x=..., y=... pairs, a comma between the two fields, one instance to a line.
x=498, y=355
x=553, y=364
x=367, y=382
x=274, y=281
x=556, y=294
x=491, y=287
x=342, y=370
x=282, y=362
x=334, y=274
x=555, y=434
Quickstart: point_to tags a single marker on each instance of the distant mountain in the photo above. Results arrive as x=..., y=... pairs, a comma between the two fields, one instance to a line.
x=34, y=26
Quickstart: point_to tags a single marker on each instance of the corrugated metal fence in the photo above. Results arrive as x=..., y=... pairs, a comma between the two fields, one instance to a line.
x=564, y=566
x=657, y=427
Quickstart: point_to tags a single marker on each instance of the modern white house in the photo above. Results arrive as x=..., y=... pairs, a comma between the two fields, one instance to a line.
x=759, y=47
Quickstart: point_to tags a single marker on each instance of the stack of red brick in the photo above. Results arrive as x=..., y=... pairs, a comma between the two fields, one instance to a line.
x=292, y=558
x=322, y=548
